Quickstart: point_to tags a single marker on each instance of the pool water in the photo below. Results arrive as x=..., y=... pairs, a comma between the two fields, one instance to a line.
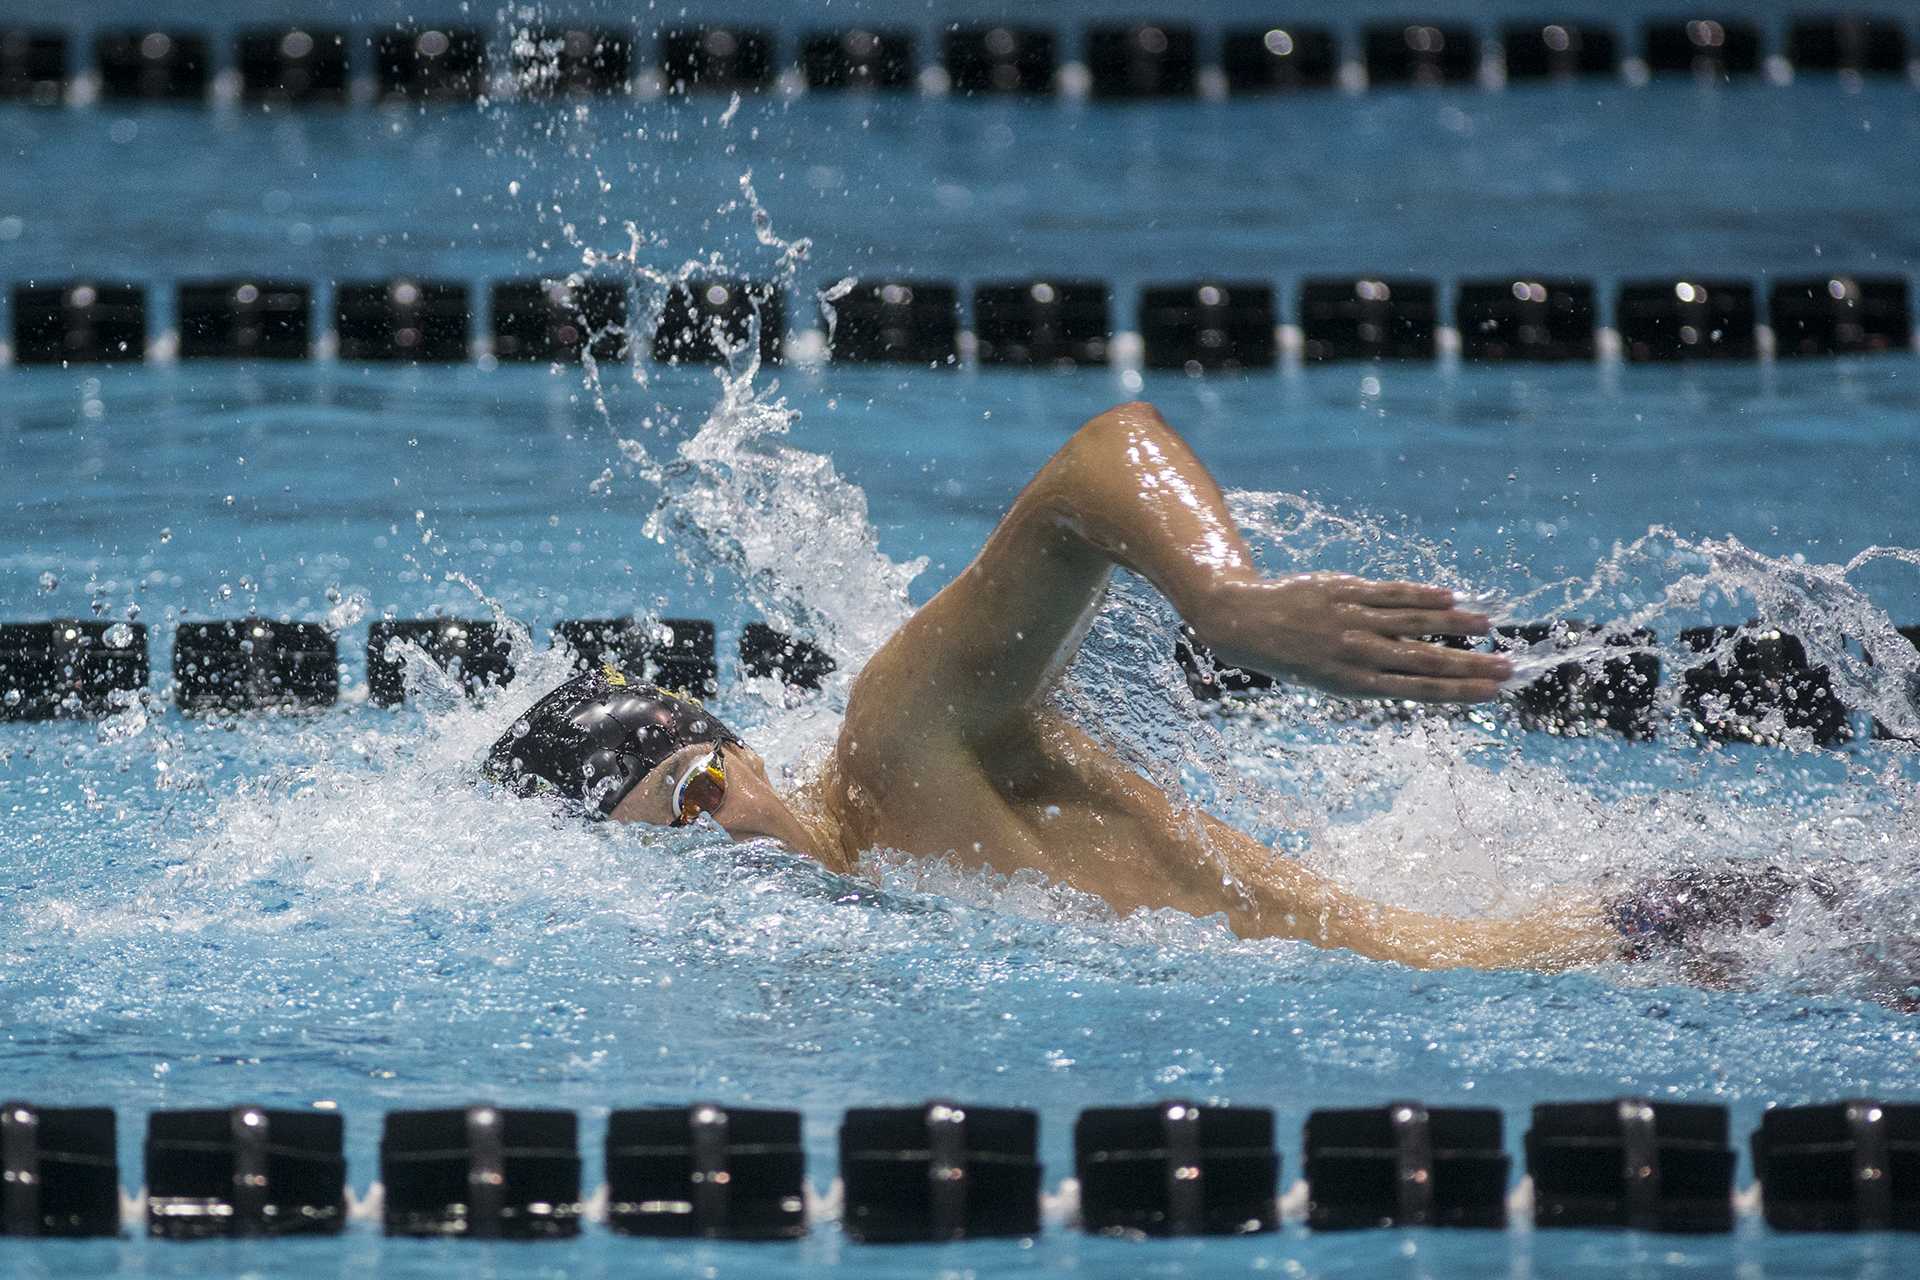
x=198, y=911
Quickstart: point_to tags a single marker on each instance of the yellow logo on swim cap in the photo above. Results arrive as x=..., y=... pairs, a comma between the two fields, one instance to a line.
x=614, y=675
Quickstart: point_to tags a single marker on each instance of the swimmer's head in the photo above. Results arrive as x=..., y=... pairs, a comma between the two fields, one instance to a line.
x=600, y=736
x=634, y=752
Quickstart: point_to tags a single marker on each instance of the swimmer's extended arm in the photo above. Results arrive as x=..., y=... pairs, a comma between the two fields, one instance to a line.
x=1285, y=899
x=1126, y=490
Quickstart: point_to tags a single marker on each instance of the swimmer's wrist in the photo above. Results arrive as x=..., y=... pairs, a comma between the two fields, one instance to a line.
x=1221, y=612
x=1219, y=596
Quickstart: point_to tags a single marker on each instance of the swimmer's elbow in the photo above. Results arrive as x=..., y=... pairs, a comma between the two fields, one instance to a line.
x=1114, y=447
x=1134, y=410
x=1122, y=422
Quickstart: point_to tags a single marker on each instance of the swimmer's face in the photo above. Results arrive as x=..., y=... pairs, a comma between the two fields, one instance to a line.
x=750, y=807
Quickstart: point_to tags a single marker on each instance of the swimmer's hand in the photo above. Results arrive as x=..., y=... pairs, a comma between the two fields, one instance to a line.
x=1348, y=635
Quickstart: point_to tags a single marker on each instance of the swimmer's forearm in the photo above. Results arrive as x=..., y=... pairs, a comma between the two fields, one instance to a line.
x=1551, y=939
x=1136, y=494
x=1283, y=898
x=1559, y=937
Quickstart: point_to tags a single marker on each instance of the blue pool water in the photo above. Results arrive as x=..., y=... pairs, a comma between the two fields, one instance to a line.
x=199, y=911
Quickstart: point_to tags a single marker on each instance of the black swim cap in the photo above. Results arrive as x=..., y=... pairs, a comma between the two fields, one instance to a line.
x=593, y=738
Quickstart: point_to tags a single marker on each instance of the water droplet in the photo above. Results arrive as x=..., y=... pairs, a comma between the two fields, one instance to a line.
x=346, y=610
x=166, y=535
x=48, y=582
x=117, y=636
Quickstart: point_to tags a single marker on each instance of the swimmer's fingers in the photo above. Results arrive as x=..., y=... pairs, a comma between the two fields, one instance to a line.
x=1411, y=657
x=1430, y=688
x=1392, y=595
x=1422, y=622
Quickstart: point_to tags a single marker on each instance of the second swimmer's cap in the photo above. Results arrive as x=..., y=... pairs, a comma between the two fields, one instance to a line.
x=596, y=736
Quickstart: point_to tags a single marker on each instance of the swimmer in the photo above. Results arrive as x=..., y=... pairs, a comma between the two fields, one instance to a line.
x=949, y=747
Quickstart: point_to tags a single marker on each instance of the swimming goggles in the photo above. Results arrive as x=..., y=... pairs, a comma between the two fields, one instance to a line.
x=701, y=789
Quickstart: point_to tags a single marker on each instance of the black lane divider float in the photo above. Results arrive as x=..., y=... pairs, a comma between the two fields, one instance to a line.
x=1405, y=1165
x=245, y=1171
x=1042, y=322
x=472, y=652
x=1648, y=1166
x=942, y=1171
x=706, y=1171
x=314, y=66
x=1177, y=1169
x=1769, y=672
x=945, y=1171
x=61, y=1174
x=1198, y=325
x=1619, y=696
x=484, y=1172
x=70, y=668
x=702, y=312
x=1761, y=689
x=1844, y=1166
x=226, y=319
x=253, y=664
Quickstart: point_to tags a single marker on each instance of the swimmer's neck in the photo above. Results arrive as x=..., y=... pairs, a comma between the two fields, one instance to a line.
x=825, y=836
